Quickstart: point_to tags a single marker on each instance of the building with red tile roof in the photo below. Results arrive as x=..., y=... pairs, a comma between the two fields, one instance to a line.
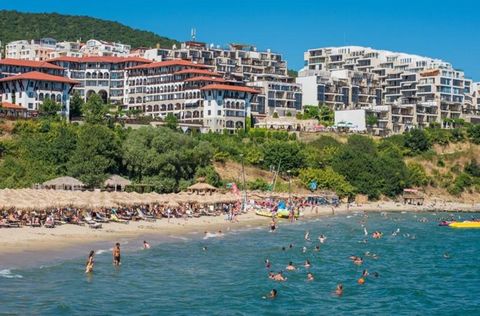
x=104, y=75
x=29, y=90
x=190, y=91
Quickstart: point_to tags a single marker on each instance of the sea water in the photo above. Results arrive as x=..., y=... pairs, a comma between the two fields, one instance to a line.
x=423, y=269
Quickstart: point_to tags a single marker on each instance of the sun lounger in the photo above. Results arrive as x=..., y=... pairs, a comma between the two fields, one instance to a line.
x=5, y=225
x=95, y=225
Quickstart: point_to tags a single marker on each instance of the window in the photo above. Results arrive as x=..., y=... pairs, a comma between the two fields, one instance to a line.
x=30, y=106
x=209, y=112
x=219, y=112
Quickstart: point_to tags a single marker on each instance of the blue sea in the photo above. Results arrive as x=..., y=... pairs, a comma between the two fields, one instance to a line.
x=423, y=269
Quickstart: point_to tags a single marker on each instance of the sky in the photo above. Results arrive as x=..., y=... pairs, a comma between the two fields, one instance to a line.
x=448, y=30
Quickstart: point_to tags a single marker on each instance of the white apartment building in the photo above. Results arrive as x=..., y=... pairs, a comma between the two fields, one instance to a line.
x=261, y=69
x=95, y=47
x=199, y=97
x=38, y=50
x=240, y=62
x=26, y=91
x=282, y=97
x=66, y=49
x=104, y=75
x=417, y=90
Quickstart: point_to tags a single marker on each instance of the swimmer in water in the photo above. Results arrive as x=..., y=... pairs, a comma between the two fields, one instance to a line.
x=365, y=273
x=116, y=254
x=290, y=267
x=290, y=246
x=310, y=276
x=273, y=294
x=267, y=263
x=204, y=248
x=317, y=248
x=446, y=255
x=90, y=262
x=283, y=248
x=279, y=277
x=304, y=249
x=307, y=264
x=273, y=225
x=322, y=239
x=307, y=236
x=356, y=260
x=339, y=290
x=375, y=274
x=146, y=245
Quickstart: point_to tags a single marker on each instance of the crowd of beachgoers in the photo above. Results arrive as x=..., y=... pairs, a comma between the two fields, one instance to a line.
x=95, y=217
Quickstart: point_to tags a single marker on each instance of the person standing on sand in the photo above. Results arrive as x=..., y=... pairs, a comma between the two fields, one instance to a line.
x=116, y=254
x=90, y=262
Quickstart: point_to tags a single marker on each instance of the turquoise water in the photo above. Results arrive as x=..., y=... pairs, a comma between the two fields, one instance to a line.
x=230, y=278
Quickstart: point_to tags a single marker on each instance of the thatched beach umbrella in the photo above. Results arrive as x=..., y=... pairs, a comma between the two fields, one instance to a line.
x=201, y=187
x=117, y=182
x=64, y=183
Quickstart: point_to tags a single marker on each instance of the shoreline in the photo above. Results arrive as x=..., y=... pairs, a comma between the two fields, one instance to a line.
x=27, y=246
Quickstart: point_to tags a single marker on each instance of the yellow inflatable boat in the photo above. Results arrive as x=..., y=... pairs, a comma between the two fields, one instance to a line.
x=465, y=224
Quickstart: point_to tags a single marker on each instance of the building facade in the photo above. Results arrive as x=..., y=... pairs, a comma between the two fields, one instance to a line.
x=29, y=90
x=10, y=67
x=95, y=47
x=417, y=91
x=198, y=96
x=37, y=50
x=265, y=70
x=102, y=75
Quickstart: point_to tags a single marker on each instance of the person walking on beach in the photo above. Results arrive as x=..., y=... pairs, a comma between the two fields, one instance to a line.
x=90, y=262
x=116, y=254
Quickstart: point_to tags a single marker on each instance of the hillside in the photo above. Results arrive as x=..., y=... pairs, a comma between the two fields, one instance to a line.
x=17, y=25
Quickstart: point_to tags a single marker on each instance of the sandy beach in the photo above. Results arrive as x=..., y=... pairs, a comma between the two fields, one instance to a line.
x=25, y=240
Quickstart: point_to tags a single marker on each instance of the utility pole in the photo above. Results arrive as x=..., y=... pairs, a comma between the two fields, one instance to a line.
x=244, y=185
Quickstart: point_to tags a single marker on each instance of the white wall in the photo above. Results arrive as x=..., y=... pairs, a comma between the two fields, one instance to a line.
x=356, y=117
x=309, y=90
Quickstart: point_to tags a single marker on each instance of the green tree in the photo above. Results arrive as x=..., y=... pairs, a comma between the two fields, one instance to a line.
x=473, y=133
x=171, y=121
x=288, y=154
x=49, y=109
x=417, y=176
x=311, y=112
x=327, y=179
x=94, y=110
x=76, y=104
x=210, y=175
x=417, y=141
x=371, y=120
x=326, y=116
x=96, y=155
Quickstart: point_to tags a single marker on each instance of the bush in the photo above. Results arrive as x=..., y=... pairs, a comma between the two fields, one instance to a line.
x=473, y=133
x=327, y=179
x=258, y=184
x=417, y=176
x=417, y=141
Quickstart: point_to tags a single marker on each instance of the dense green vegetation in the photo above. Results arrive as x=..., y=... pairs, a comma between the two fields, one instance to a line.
x=18, y=25
x=166, y=160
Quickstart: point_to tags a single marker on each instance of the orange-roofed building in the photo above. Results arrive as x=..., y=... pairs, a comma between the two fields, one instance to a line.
x=10, y=66
x=29, y=90
x=104, y=75
x=199, y=97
